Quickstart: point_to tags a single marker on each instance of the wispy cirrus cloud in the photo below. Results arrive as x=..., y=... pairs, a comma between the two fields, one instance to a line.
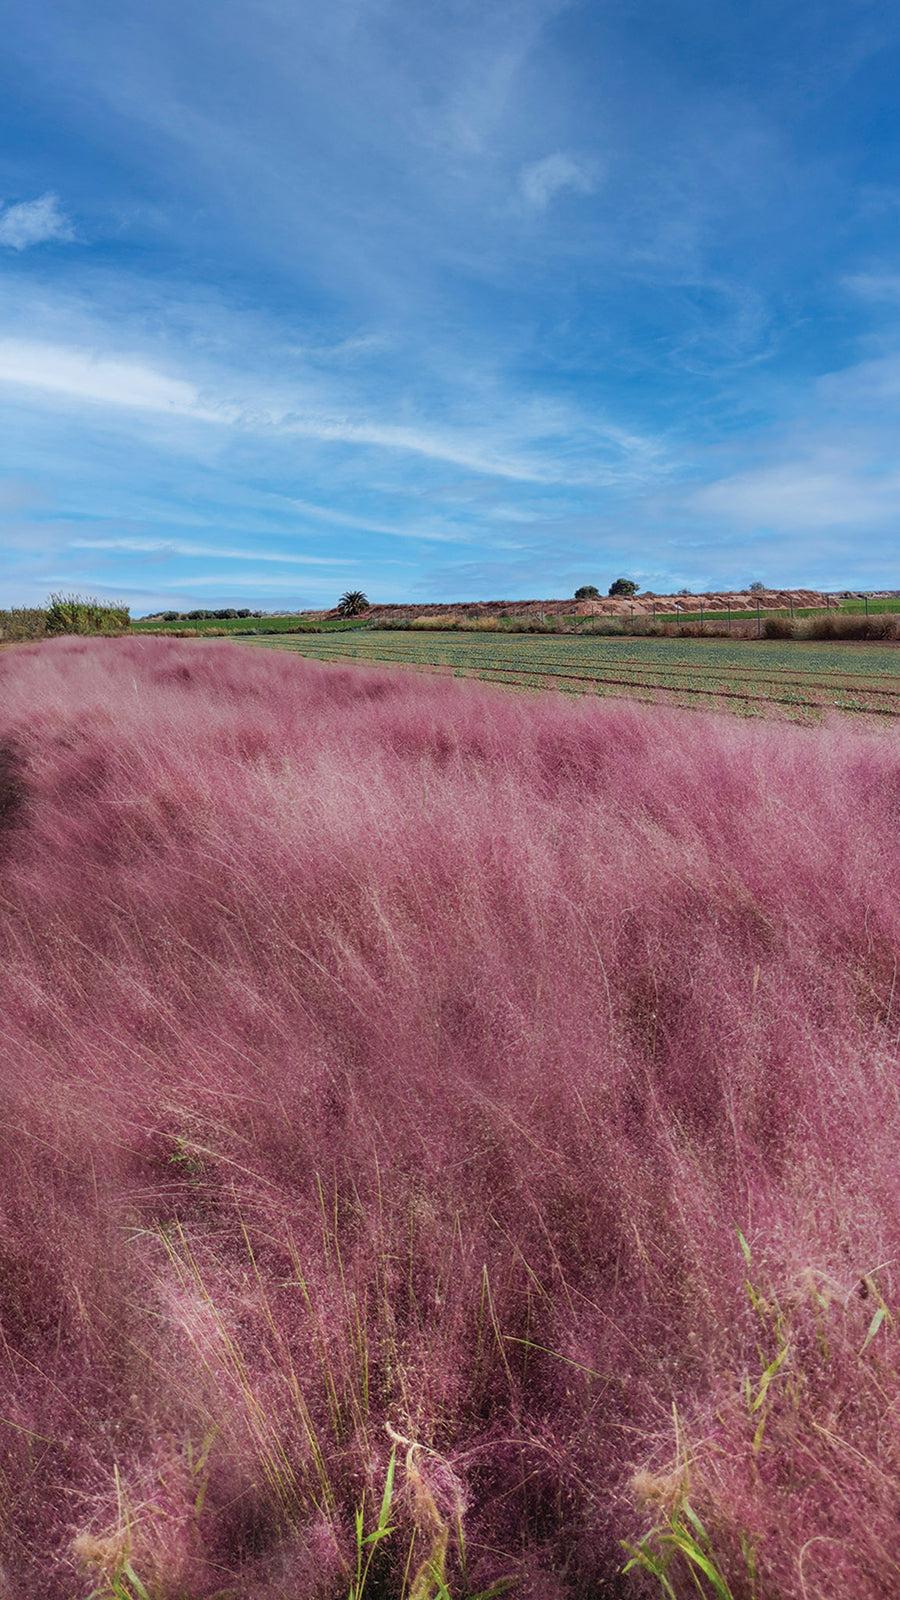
x=876, y=286
x=178, y=547
x=35, y=222
x=540, y=181
x=507, y=438
x=82, y=375
x=374, y=271
x=821, y=488
x=427, y=532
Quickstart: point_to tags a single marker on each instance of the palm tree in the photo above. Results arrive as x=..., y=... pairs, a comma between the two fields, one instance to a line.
x=352, y=603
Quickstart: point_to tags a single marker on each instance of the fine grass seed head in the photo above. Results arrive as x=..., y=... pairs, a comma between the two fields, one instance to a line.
x=385, y=1050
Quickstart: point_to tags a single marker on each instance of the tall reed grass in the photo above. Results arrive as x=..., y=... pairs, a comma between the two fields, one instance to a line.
x=63, y=613
x=835, y=625
x=22, y=623
x=72, y=613
x=447, y=1137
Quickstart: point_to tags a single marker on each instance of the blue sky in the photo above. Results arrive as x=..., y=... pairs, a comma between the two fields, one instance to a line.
x=457, y=300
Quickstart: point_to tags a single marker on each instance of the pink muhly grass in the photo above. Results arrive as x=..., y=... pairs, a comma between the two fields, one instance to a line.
x=386, y=1053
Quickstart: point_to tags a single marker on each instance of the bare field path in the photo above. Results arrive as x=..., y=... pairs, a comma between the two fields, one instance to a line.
x=801, y=681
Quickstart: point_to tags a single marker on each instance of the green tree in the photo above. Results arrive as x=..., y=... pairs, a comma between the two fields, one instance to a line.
x=588, y=591
x=352, y=603
x=623, y=586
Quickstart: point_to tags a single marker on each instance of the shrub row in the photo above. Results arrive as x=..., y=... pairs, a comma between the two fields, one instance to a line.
x=601, y=627
x=834, y=625
x=830, y=625
x=227, y=614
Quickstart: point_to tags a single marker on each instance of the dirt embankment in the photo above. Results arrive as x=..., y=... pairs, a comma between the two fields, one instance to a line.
x=607, y=606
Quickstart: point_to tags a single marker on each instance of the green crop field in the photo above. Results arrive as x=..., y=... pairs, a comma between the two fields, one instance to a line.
x=877, y=605
x=802, y=681
x=245, y=625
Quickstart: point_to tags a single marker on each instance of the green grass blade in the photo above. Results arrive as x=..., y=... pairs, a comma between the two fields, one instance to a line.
x=135, y=1581
x=767, y=1377
x=874, y=1325
x=388, y=1495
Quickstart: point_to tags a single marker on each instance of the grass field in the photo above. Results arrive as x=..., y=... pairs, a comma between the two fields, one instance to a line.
x=446, y=1137
x=878, y=605
x=799, y=681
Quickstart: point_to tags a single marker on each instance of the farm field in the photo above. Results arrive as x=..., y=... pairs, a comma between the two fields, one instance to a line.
x=687, y=614
x=798, y=681
x=242, y=625
x=448, y=1139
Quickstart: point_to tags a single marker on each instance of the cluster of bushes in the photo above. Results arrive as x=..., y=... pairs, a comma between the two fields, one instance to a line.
x=63, y=613
x=226, y=614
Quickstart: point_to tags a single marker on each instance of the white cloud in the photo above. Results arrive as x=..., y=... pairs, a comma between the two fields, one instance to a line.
x=495, y=434
x=815, y=491
x=171, y=547
x=873, y=384
x=458, y=450
x=82, y=376
x=540, y=181
x=343, y=519
x=34, y=222
x=357, y=347
x=877, y=286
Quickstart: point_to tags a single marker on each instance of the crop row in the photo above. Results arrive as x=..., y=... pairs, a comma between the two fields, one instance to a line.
x=700, y=677
x=833, y=678
x=803, y=661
